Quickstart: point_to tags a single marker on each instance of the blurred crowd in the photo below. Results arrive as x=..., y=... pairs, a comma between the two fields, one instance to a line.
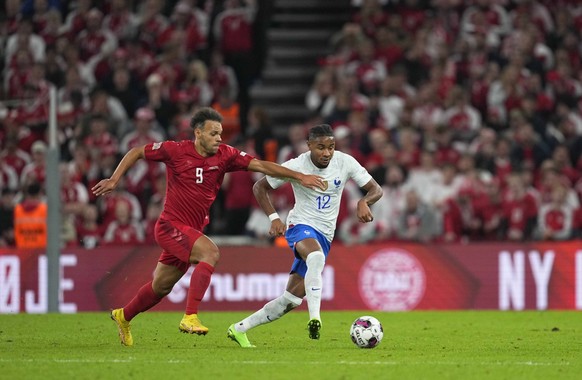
x=127, y=73
x=466, y=112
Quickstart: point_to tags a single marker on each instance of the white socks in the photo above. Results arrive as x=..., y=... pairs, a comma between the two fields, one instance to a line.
x=283, y=304
x=272, y=311
x=313, y=281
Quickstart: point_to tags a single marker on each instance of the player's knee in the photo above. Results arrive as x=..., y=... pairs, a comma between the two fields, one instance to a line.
x=291, y=301
x=162, y=288
x=211, y=256
x=205, y=250
x=315, y=260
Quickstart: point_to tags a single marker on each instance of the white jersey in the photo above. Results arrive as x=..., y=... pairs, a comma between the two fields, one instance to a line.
x=316, y=208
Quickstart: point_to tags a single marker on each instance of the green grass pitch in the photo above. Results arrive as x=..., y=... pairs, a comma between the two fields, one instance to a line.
x=416, y=345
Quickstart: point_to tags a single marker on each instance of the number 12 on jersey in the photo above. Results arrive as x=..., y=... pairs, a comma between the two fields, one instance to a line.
x=323, y=201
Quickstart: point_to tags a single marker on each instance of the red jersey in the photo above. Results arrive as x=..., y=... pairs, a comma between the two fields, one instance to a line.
x=236, y=31
x=193, y=180
x=518, y=211
x=126, y=233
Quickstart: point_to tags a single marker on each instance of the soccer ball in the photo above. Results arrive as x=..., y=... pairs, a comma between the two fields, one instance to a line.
x=366, y=332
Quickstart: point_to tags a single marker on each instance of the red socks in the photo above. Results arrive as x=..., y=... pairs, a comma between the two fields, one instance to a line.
x=143, y=300
x=199, y=282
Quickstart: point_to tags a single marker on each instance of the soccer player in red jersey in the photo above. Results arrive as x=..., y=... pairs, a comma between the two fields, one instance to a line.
x=194, y=172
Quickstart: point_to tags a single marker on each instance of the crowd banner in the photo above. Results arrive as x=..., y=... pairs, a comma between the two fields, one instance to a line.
x=388, y=277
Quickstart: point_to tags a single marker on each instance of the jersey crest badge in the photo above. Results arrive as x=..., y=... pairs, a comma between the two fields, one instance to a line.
x=325, y=185
x=337, y=182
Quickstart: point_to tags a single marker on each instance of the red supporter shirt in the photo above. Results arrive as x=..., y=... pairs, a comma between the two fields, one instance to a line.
x=236, y=33
x=518, y=211
x=193, y=180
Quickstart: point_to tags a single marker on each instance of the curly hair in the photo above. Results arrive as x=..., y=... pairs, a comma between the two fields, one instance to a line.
x=203, y=114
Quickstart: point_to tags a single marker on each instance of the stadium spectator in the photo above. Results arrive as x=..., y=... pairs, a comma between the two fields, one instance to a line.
x=321, y=89
x=74, y=195
x=425, y=176
x=556, y=219
x=349, y=229
x=102, y=107
x=485, y=16
x=126, y=90
x=77, y=81
x=369, y=71
x=120, y=20
x=158, y=99
x=418, y=221
x=35, y=171
x=370, y=16
x=345, y=98
x=89, y=231
x=378, y=138
x=389, y=208
x=123, y=229
x=529, y=149
x=488, y=208
x=520, y=210
x=24, y=40
x=393, y=97
x=196, y=85
x=76, y=20
x=563, y=163
x=231, y=110
x=461, y=116
x=13, y=155
x=184, y=30
x=30, y=219
x=295, y=144
x=100, y=141
x=151, y=23
x=408, y=148
x=221, y=76
x=48, y=24
x=108, y=205
x=388, y=48
x=95, y=40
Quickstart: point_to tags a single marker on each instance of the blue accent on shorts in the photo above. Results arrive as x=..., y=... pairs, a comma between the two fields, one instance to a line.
x=301, y=232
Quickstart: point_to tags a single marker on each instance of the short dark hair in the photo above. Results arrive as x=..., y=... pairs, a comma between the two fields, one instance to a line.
x=33, y=188
x=203, y=114
x=321, y=130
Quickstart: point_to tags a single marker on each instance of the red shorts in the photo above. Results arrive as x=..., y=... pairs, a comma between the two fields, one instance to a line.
x=176, y=239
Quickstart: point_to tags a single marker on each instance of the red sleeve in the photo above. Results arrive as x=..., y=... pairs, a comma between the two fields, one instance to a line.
x=159, y=151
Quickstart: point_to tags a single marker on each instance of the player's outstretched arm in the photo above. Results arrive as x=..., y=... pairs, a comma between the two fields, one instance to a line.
x=275, y=170
x=373, y=194
x=261, y=190
x=105, y=186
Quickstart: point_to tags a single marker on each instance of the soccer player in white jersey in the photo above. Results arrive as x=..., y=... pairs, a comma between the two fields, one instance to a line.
x=310, y=227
